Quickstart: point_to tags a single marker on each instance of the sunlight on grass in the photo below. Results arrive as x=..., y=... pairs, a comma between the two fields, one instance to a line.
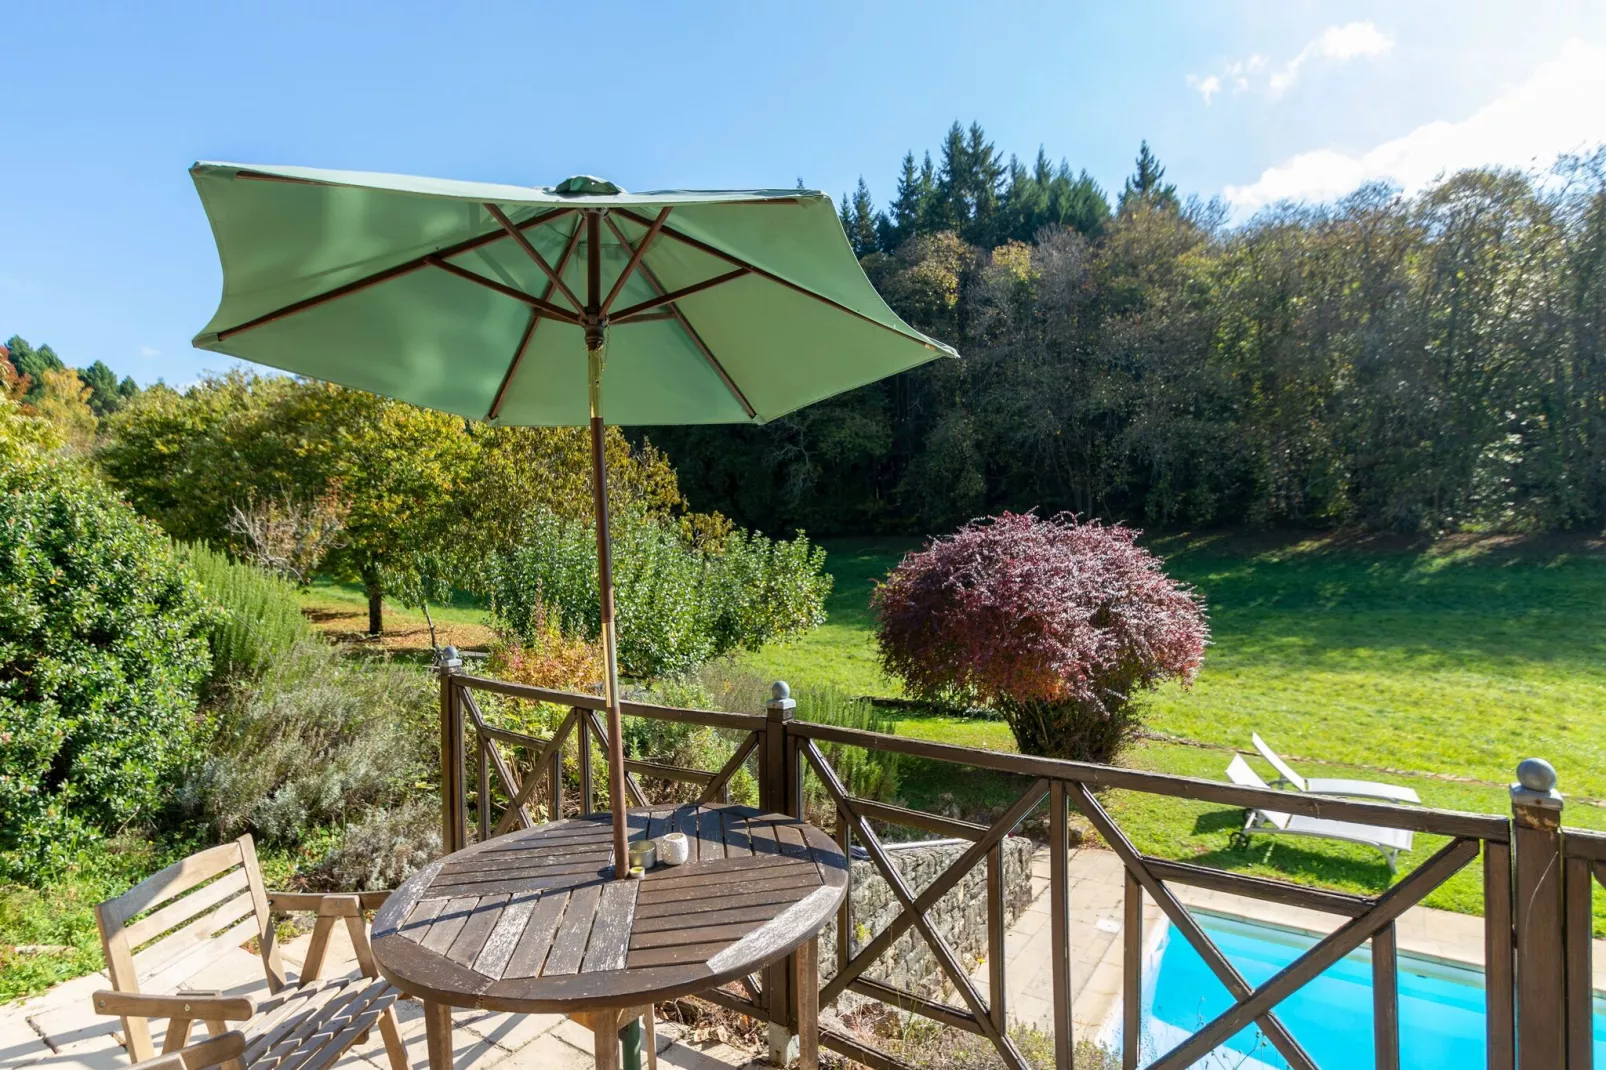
x=1361, y=660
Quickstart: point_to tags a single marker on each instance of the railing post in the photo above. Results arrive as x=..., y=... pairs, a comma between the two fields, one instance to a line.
x=779, y=785
x=454, y=811
x=1541, y=966
x=780, y=791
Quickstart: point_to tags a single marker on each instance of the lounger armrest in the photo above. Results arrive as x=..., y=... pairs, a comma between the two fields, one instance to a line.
x=214, y=1052
x=196, y=1006
x=327, y=904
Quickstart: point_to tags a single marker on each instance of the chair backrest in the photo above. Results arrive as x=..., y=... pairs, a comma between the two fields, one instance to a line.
x=1284, y=770
x=1241, y=774
x=173, y=923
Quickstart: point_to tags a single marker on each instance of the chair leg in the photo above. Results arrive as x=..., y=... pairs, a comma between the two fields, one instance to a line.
x=394, y=1048
x=650, y=1024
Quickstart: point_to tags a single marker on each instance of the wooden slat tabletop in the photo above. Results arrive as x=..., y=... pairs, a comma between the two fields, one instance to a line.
x=533, y=921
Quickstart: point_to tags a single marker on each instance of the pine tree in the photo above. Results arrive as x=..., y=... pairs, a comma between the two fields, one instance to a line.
x=859, y=221
x=951, y=209
x=985, y=174
x=930, y=198
x=863, y=235
x=911, y=208
x=33, y=363
x=105, y=394
x=1147, y=184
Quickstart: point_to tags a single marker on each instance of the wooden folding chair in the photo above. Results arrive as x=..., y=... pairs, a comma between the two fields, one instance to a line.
x=171, y=925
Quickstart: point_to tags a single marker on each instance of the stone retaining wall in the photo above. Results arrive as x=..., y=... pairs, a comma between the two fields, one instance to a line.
x=960, y=916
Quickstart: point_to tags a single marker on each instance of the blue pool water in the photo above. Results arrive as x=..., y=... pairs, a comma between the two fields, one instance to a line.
x=1441, y=1006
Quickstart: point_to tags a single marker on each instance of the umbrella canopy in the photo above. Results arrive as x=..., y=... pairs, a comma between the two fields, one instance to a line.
x=498, y=303
x=744, y=306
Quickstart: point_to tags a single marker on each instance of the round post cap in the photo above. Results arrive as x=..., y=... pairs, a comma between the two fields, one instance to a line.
x=1536, y=774
x=1536, y=785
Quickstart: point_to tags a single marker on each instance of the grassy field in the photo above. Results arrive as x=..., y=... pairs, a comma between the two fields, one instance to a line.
x=1435, y=666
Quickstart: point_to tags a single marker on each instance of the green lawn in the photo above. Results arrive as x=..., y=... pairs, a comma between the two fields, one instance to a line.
x=840, y=652
x=1439, y=667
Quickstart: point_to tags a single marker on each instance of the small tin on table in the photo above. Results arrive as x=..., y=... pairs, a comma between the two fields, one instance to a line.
x=643, y=855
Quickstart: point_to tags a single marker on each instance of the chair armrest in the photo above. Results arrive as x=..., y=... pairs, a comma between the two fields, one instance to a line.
x=214, y=1052
x=323, y=904
x=196, y=1006
x=327, y=904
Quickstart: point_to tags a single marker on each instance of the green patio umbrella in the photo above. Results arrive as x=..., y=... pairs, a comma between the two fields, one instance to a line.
x=511, y=305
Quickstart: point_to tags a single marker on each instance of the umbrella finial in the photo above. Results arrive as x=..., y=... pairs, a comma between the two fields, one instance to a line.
x=586, y=185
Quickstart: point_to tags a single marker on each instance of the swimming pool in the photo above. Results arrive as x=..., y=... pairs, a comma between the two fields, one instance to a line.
x=1441, y=1006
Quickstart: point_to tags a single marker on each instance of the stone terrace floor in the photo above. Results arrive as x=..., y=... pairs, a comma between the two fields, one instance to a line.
x=59, y=1031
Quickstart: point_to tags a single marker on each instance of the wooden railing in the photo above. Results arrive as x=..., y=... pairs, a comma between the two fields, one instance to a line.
x=1538, y=999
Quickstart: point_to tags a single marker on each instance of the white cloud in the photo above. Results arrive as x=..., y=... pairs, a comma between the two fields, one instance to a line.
x=1340, y=44
x=1240, y=71
x=149, y=351
x=1350, y=41
x=1560, y=108
x=1208, y=86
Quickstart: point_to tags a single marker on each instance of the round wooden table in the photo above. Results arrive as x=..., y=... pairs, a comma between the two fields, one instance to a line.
x=534, y=921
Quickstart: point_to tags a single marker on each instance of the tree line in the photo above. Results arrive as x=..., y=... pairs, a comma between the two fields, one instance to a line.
x=1420, y=362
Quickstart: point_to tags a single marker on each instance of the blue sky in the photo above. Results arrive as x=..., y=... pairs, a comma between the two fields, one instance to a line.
x=105, y=253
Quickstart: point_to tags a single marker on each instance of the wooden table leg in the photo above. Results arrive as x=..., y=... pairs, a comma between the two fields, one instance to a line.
x=438, y=1033
x=606, y=1037
x=807, y=986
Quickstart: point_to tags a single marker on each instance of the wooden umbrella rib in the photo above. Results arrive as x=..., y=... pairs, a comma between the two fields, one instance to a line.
x=691, y=332
x=635, y=259
x=676, y=295
x=731, y=258
x=524, y=343
x=387, y=274
x=513, y=365
x=554, y=277
x=545, y=308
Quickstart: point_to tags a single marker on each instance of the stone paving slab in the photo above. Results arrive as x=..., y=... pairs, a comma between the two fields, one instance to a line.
x=59, y=1030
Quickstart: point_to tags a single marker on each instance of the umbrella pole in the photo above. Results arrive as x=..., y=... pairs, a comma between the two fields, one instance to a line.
x=599, y=502
x=610, y=659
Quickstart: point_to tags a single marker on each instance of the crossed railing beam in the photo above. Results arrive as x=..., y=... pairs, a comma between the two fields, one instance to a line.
x=517, y=813
x=914, y=909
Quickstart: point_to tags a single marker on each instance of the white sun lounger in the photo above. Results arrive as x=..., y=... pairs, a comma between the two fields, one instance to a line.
x=1272, y=822
x=1359, y=789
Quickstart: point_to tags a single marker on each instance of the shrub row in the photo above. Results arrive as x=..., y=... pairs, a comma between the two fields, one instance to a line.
x=678, y=605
